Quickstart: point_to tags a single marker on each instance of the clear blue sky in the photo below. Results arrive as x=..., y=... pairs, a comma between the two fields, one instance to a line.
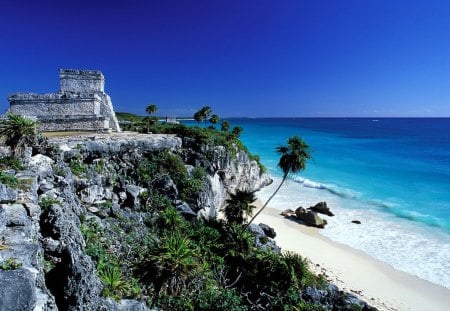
x=256, y=58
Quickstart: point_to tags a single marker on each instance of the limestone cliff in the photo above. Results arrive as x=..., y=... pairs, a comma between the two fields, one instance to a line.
x=68, y=182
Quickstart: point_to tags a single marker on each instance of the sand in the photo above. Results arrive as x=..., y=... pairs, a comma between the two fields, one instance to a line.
x=352, y=270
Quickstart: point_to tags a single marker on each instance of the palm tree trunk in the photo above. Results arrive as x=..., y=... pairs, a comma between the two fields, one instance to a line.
x=267, y=202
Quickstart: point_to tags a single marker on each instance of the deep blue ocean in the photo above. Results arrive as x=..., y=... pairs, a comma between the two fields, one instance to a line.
x=392, y=174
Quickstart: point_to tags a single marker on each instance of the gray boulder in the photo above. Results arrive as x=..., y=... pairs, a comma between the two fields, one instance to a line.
x=15, y=215
x=269, y=231
x=321, y=208
x=348, y=302
x=7, y=195
x=310, y=218
x=17, y=290
x=41, y=164
x=256, y=230
x=92, y=194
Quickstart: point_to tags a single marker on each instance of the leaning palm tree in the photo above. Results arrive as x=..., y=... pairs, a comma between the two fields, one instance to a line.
x=293, y=160
x=18, y=132
x=239, y=205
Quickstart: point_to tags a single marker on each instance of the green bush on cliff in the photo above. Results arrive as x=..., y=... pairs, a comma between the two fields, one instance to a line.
x=168, y=163
x=11, y=163
x=78, y=168
x=9, y=180
x=201, y=137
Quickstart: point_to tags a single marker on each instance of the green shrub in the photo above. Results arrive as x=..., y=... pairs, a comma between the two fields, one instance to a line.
x=47, y=202
x=78, y=168
x=9, y=180
x=99, y=166
x=105, y=205
x=170, y=218
x=158, y=202
x=11, y=163
x=10, y=264
x=198, y=172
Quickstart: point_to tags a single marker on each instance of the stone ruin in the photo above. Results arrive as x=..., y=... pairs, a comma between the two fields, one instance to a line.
x=80, y=104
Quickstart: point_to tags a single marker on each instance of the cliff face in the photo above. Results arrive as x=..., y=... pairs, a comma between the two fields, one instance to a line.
x=93, y=177
x=232, y=172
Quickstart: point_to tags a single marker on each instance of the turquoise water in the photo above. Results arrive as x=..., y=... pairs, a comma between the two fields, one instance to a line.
x=392, y=174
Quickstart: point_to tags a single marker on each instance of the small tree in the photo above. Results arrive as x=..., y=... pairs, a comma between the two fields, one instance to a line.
x=202, y=114
x=214, y=119
x=238, y=206
x=293, y=160
x=225, y=126
x=151, y=109
x=18, y=132
x=237, y=130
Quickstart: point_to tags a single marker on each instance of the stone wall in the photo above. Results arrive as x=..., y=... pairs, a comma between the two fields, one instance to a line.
x=81, y=104
x=81, y=81
x=53, y=105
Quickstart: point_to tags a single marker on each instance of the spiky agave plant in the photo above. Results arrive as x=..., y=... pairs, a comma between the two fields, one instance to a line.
x=18, y=132
x=113, y=282
x=171, y=264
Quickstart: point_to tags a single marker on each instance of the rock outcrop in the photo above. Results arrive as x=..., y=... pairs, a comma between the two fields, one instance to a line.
x=40, y=224
x=230, y=172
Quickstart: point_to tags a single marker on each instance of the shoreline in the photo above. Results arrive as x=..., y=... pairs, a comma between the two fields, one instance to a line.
x=352, y=270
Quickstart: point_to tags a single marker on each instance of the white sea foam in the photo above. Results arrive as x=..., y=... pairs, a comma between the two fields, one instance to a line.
x=404, y=244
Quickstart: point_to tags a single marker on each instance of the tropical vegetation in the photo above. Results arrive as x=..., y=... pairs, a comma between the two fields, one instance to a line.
x=18, y=132
x=176, y=262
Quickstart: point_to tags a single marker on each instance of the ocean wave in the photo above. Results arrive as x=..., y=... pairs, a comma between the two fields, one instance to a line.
x=357, y=200
x=422, y=218
x=341, y=192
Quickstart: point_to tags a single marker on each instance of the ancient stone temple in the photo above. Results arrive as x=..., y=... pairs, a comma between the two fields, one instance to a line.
x=80, y=104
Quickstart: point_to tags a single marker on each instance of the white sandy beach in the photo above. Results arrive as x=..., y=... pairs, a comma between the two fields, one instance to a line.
x=352, y=270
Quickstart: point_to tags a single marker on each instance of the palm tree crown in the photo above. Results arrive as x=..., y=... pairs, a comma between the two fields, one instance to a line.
x=214, y=119
x=239, y=205
x=293, y=156
x=151, y=109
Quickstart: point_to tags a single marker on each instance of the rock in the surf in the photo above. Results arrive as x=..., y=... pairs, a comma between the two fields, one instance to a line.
x=310, y=218
x=322, y=208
